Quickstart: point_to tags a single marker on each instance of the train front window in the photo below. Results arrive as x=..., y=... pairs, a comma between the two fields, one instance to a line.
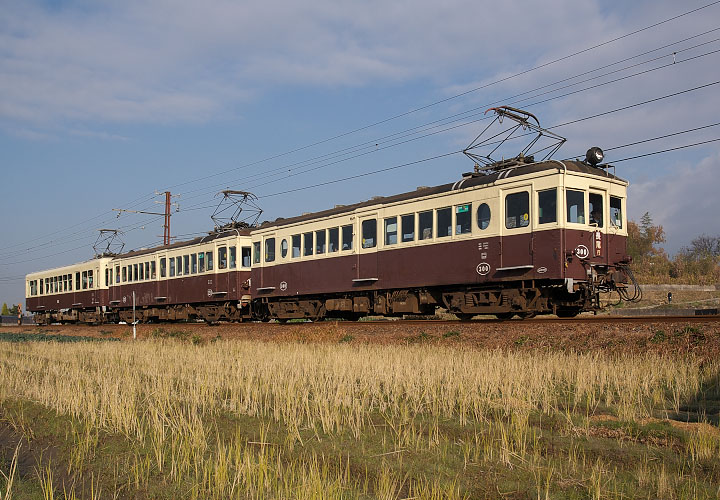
x=245, y=256
x=517, y=210
x=295, y=246
x=596, y=209
x=222, y=258
x=308, y=243
x=269, y=249
x=391, y=231
x=320, y=241
x=408, y=227
x=575, y=206
x=347, y=237
x=369, y=233
x=333, y=239
x=425, y=225
x=256, y=252
x=547, y=206
x=463, y=219
x=615, y=212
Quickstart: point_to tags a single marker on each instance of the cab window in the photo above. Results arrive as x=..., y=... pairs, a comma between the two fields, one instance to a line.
x=517, y=210
x=233, y=258
x=575, y=206
x=463, y=219
x=615, y=212
x=245, y=256
x=547, y=206
x=256, y=252
x=222, y=258
x=596, y=209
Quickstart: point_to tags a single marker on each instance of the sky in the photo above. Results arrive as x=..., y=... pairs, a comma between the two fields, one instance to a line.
x=107, y=104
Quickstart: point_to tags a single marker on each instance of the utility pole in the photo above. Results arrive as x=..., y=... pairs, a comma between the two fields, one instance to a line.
x=166, y=214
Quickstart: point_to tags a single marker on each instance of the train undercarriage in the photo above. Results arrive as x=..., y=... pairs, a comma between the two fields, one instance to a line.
x=524, y=298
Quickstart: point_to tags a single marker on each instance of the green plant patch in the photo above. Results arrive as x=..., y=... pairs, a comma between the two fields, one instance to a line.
x=39, y=337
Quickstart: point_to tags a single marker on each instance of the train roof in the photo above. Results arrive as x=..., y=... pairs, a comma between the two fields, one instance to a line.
x=180, y=244
x=468, y=180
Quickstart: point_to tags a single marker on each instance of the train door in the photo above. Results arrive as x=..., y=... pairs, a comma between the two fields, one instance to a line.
x=516, y=252
x=598, y=223
x=161, y=285
x=221, y=278
x=367, y=254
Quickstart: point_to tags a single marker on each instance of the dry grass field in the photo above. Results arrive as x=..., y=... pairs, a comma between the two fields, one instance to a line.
x=288, y=419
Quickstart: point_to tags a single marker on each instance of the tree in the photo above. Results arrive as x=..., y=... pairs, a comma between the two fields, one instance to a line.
x=642, y=238
x=702, y=247
x=14, y=310
x=5, y=310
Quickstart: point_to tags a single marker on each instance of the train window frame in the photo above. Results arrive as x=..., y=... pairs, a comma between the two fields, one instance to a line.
x=201, y=262
x=391, y=236
x=425, y=232
x=616, y=211
x=117, y=274
x=232, y=257
x=246, y=255
x=333, y=239
x=308, y=244
x=84, y=281
x=172, y=267
x=464, y=227
x=579, y=216
x=193, y=263
x=124, y=274
x=142, y=272
x=136, y=274
x=481, y=220
x=296, y=240
x=348, y=236
x=107, y=278
x=407, y=220
x=209, y=264
x=517, y=203
x=284, y=248
x=77, y=280
x=320, y=242
x=163, y=267
x=368, y=231
x=222, y=257
x=153, y=271
x=596, y=218
x=444, y=213
x=270, y=249
x=186, y=265
x=546, y=204
x=180, y=260
x=256, y=252
x=91, y=281
x=42, y=286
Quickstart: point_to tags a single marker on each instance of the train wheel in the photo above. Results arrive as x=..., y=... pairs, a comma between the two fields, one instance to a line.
x=504, y=316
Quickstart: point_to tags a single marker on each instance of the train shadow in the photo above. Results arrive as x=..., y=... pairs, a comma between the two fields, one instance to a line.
x=704, y=405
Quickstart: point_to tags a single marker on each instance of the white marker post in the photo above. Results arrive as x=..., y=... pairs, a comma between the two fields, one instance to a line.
x=134, y=322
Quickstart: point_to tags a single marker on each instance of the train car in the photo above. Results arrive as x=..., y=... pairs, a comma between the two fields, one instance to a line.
x=206, y=278
x=521, y=238
x=75, y=293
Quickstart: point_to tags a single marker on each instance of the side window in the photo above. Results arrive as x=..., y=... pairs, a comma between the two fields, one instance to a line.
x=147, y=270
x=408, y=227
x=391, y=231
x=108, y=282
x=295, y=246
x=596, y=209
x=308, y=243
x=547, y=206
x=369, y=233
x=183, y=265
x=233, y=258
x=320, y=241
x=333, y=239
x=90, y=279
x=124, y=274
x=222, y=258
x=84, y=281
x=77, y=281
x=201, y=262
x=117, y=275
x=163, y=267
x=347, y=238
x=256, y=252
x=425, y=225
x=153, y=273
x=142, y=272
x=245, y=256
x=209, y=261
x=193, y=264
x=615, y=213
x=269, y=249
x=136, y=273
x=42, y=286
x=483, y=216
x=463, y=219
x=284, y=248
x=172, y=266
x=575, y=206
x=517, y=210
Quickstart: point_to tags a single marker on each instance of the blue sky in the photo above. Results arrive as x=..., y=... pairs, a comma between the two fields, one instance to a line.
x=104, y=103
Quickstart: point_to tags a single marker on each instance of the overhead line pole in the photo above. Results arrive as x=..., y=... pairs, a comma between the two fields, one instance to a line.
x=167, y=214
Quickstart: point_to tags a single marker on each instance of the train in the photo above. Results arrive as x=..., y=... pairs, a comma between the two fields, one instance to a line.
x=516, y=237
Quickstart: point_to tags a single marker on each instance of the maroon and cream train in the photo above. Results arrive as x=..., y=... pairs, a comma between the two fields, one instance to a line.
x=525, y=239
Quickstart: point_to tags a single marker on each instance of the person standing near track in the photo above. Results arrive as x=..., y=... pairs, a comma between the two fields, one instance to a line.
x=19, y=315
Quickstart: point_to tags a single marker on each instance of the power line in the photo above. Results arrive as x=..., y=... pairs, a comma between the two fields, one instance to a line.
x=666, y=150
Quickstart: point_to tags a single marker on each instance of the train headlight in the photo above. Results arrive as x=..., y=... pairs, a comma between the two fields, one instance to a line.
x=594, y=155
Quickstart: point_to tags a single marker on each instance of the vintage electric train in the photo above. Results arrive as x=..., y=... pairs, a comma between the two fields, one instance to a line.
x=521, y=238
